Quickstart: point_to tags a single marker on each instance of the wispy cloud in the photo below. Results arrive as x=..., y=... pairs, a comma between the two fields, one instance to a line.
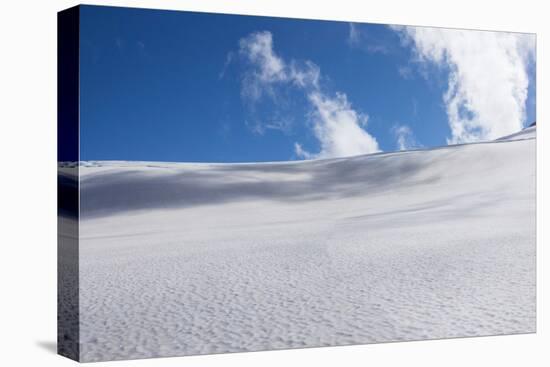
x=405, y=72
x=264, y=82
x=353, y=35
x=228, y=60
x=130, y=47
x=487, y=83
x=267, y=68
x=339, y=129
x=405, y=138
x=141, y=46
x=361, y=38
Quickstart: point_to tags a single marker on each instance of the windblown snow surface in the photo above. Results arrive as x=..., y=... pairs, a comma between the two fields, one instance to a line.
x=182, y=259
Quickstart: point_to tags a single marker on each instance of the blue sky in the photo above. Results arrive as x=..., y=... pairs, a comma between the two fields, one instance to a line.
x=196, y=87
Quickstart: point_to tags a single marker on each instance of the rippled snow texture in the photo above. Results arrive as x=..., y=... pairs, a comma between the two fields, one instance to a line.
x=181, y=259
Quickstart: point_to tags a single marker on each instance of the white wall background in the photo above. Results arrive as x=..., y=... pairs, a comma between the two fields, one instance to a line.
x=28, y=182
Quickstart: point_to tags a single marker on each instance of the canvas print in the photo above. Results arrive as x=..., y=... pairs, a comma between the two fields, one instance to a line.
x=234, y=183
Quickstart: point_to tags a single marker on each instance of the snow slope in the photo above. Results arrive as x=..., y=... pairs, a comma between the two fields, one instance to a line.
x=527, y=133
x=181, y=259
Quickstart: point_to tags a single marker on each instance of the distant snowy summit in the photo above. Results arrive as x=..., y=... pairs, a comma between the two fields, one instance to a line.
x=527, y=133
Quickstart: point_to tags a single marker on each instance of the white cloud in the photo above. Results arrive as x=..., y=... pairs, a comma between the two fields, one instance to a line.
x=337, y=126
x=267, y=67
x=305, y=75
x=258, y=48
x=301, y=152
x=488, y=81
x=405, y=138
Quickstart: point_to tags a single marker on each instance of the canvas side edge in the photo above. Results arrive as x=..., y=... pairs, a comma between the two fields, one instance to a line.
x=68, y=314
